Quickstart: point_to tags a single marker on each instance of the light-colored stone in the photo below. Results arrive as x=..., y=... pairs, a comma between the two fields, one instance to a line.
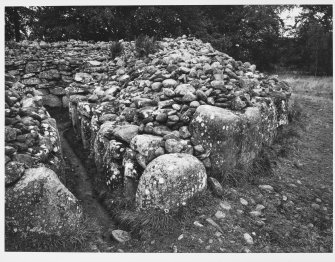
x=170, y=180
x=40, y=203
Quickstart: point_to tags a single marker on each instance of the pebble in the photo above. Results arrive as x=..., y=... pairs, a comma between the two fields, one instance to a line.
x=266, y=187
x=181, y=237
x=220, y=215
x=218, y=234
x=246, y=250
x=255, y=213
x=198, y=224
x=259, y=207
x=315, y=206
x=194, y=104
x=248, y=239
x=225, y=205
x=243, y=202
x=121, y=236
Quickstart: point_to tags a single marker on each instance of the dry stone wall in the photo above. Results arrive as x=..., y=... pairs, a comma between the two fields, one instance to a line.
x=47, y=68
x=186, y=104
x=36, y=199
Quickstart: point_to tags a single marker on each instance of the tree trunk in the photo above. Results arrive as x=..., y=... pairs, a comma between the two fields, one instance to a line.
x=16, y=18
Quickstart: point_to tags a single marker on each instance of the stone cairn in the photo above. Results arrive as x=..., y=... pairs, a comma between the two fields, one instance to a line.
x=154, y=126
x=158, y=125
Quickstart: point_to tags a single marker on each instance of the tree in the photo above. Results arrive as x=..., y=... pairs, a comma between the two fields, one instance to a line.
x=314, y=37
x=16, y=21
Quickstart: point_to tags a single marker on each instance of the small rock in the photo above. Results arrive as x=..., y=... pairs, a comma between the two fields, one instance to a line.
x=156, y=86
x=218, y=234
x=194, y=104
x=181, y=237
x=173, y=146
x=266, y=187
x=184, y=132
x=255, y=213
x=121, y=236
x=243, y=202
x=248, y=239
x=298, y=164
x=170, y=83
x=199, y=149
x=225, y=205
x=315, y=206
x=246, y=250
x=196, y=223
x=220, y=215
x=161, y=118
x=259, y=207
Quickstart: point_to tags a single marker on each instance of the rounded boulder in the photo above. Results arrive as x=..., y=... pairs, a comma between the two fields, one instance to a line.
x=169, y=181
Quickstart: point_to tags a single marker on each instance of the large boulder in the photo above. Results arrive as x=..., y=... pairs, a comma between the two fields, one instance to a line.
x=232, y=138
x=169, y=180
x=39, y=202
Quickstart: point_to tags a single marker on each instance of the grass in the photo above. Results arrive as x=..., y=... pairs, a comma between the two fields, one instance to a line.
x=116, y=49
x=317, y=86
x=145, y=45
x=77, y=239
x=153, y=222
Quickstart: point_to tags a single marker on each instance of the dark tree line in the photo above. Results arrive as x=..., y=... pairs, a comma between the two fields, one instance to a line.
x=248, y=33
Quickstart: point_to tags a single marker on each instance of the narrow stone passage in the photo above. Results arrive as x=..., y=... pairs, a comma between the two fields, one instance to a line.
x=79, y=180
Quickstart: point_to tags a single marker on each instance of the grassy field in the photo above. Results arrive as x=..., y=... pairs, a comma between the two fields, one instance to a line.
x=310, y=85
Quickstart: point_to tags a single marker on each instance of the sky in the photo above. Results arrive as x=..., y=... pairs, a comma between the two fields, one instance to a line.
x=288, y=17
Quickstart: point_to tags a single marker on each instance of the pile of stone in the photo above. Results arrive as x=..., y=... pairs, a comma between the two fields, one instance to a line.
x=31, y=136
x=50, y=67
x=36, y=198
x=187, y=99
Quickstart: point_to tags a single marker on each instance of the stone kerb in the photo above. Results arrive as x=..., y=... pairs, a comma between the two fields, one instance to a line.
x=186, y=99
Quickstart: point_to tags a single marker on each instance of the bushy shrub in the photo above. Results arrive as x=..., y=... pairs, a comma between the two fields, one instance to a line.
x=116, y=49
x=145, y=45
